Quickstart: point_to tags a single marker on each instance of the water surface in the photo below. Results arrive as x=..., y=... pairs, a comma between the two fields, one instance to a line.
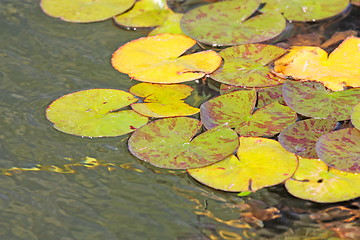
x=43, y=58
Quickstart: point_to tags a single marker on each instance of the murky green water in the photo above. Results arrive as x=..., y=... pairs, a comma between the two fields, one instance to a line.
x=41, y=59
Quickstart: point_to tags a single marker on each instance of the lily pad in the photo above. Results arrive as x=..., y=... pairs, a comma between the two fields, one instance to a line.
x=83, y=11
x=170, y=143
x=94, y=113
x=247, y=65
x=260, y=163
x=306, y=10
x=341, y=149
x=265, y=95
x=355, y=116
x=300, y=137
x=162, y=100
x=156, y=59
x=145, y=13
x=269, y=95
x=315, y=181
x=171, y=25
x=312, y=99
x=237, y=110
x=231, y=23
x=338, y=70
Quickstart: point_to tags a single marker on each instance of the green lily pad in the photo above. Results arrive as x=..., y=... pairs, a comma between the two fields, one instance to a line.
x=300, y=137
x=260, y=163
x=269, y=95
x=355, y=116
x=94, y=113
x=341, y=149
x=170, y=143
x=145, y=13
x=229, y=23
x=265, y=95
x=312, y=99
x=247, y=65
x=237, y=110
x=171, y=25
x=315, y=181
x=163, y=100
x=83, y=11
x=306, y=10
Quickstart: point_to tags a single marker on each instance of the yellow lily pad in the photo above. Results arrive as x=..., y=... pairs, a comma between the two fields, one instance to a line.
x=156, y=59
x=162, y=100
x=338, y=70
x=145, y=13
x=261, y=162
x=315, y=181
x=83, y=11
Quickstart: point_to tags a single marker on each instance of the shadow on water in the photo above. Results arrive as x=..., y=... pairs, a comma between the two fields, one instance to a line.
x=114, y=196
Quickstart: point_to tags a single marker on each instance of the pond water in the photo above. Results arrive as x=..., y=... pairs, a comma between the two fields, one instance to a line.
x=44, y=58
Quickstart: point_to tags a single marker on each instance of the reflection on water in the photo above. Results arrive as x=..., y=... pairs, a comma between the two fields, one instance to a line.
x=56, y=186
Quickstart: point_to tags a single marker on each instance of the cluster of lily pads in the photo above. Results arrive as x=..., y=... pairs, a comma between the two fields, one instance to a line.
x=298, y=96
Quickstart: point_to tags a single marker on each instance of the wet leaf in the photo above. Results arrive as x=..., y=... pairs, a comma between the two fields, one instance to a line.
x=171, y=25
x=341, y=149
x=355, y=116
x=170, y=143
x=83, y=11
x=247, y=65
x=312, y=99
x=300, y=137
x=315, y=181
x=337, y=37
x=162, y=100
x=265, y=95
x=229, y=23
x=260, y=163
x=94, y=113
x=237, y=110
x=306, y=10
x=355, y=2
x=145, y=13
x=338, y=70
x=156, y=59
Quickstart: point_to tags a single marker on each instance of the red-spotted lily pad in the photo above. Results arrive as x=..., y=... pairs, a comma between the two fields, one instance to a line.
x=247, y=65
x=94, y=113
x=265, y=95
x=312, y=99
x=306, y=10
x=163, y=100
x=260, y=163
x=170, y=143
x=341, y=149
x=156, y=59
x=315, y=181
x=237, y=110
x=145, y=13
x=229, y=23
x=171, y=25
x=355, y=116
x=83, y=11
x=300, y=137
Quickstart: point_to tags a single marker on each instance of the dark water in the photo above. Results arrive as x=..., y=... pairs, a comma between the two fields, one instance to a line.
x=41, y=59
